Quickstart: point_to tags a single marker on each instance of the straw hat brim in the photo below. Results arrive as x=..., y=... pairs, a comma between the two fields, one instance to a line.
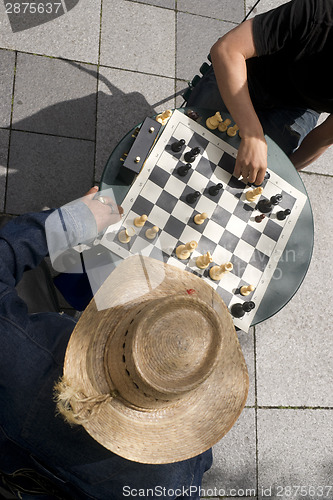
x=187, y=427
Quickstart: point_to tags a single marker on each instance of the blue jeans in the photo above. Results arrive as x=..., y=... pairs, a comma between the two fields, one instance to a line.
x=286, y=126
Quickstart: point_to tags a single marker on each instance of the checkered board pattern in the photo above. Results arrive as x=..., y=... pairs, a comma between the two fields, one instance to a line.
x=230, y=233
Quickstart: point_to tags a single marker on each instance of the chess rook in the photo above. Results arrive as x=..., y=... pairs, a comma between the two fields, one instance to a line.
x=183, y=169
x=177, y=146
x=192, y=197
x=190, y=156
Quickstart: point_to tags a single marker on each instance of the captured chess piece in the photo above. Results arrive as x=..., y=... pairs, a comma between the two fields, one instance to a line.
x=224, y=125
x=190, y=156
x=140, y=221
x=259, y=218
x=164, y=117
x=183, y=252
x=253, y=194
x=217, y=272
x=266, y=206
x=178, y=146
x=152, y=232
x=200, y=218
x=283, y=214
x=214, y=190
x=246, y=290
x=213, y=121
x=238, y=310
x=183, y=169
x=192, y=197
x=232, y=131
x=203, y=261
x=125, y=235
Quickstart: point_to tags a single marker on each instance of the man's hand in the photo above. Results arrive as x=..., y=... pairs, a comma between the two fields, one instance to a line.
x=106, y=213
x=251, y=162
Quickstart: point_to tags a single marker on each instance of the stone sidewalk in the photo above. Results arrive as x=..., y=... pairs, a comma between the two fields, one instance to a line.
x=70, y=89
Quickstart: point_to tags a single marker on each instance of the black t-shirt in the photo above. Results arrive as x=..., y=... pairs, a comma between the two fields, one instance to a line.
x=294, y=44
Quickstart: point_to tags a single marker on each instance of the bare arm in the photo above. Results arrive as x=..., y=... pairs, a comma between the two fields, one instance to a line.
x=229, y=55
x=314, y=144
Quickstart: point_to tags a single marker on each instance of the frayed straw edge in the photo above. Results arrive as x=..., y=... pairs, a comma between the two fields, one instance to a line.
x=74, y=406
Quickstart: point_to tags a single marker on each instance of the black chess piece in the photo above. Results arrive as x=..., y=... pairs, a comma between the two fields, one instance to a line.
x=283, y=214
x=178, y=146
x=183, y=169
x=265, y=206
x=238, y=310
x=190, y=156
x=214, y=190
x=192, y=197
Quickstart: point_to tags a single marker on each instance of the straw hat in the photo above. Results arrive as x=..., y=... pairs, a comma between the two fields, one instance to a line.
x=155, y=373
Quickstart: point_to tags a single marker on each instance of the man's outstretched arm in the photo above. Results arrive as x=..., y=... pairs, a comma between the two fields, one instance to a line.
x=229, y=55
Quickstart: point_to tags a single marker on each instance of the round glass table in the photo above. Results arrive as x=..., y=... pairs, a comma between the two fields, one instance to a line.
x=295, y=259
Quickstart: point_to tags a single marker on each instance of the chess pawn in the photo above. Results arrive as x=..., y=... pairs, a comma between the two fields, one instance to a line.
x=213, y=121
x=200, y=218
x=203, y=261
x=253, y=194
x=217, y=272
x=232, y=131
x=246, y=290
x=125, y=235
x=164, y=117
x=152, y=232
x=184, y=251
x=140, y=221
x=224, y=125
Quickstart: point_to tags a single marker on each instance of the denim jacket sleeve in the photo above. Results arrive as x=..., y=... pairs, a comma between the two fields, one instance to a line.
x=24, y=242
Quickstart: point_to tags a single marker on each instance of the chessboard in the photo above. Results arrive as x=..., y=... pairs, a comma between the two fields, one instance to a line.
x=230, y=233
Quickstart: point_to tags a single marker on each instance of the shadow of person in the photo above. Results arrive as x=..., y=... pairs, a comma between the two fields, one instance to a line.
x=66, y=145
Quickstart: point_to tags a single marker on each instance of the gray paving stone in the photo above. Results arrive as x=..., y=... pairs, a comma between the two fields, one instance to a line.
x=263, y=6
x=55, y=97
x=7, y=67
x=234, y=466
x=227, y=10
x=195, y=37
x=125, y=99
x=74, y=35
x=246, y=341
x=295, y=449
x=138, y=37
x=47, y=171
x=167, y=4
x=4, y=139
x=294, y=348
